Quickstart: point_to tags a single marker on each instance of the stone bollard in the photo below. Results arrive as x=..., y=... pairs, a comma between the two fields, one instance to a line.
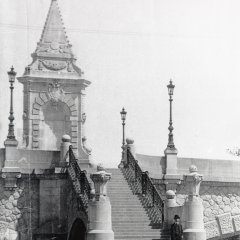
x=99, y=209
x=171, y=199
x=193, y=207
x=171, y=208
x=66, y=142
x=130, y=145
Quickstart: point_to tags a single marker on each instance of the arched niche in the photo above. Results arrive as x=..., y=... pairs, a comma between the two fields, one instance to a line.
x=78, y=230
x=54, y=123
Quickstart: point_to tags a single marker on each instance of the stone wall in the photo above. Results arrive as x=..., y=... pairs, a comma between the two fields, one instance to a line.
x=43, y=206
x=221, y=203
x=19, y=209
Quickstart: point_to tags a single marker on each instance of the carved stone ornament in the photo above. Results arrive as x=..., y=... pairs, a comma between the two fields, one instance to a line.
x=100, y=179
x=225, y=223
x=55, y=91
x=236, y=221
x=10, y=180
x=212, y=229
x=193, y=181
x=54, y=65
x=54, y=47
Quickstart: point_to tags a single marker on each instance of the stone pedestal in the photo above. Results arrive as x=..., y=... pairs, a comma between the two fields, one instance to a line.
x=193, y=208
x=99, y=209
x=171, y=161
x=11, y=171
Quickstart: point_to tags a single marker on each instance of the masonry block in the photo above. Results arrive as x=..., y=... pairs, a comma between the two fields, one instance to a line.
x=74, y=140
x=39, y=101
x=35, y=127
x=74, y=129
x=36, y=106
x=44, y=97
x=35, y=111
x=74, y=113
x=73, y=108
x=74, y=134
x=74, y=123
x=36, y=121
x=35, y=144
x=70, y=102
x=35, y=139
x=35, y=133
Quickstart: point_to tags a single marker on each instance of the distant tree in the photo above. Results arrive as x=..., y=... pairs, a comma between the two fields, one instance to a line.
x=234, y=151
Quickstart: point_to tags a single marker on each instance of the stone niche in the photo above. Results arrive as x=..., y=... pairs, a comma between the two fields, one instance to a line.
x=54, y=123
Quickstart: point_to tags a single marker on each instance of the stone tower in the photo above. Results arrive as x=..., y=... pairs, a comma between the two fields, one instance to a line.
x=54, y=92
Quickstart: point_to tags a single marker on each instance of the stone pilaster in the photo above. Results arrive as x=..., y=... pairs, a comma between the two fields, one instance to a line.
x=99, y=209
x=193, y=207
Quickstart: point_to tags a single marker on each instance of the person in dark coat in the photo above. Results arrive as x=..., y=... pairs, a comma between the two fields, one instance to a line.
x=176, y=229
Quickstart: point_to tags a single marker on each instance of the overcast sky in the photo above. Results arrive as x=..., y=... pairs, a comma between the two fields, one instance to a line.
x=129, y=49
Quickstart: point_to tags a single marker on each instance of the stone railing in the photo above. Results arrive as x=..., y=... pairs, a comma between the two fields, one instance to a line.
x=79, y=180
x=142, y=185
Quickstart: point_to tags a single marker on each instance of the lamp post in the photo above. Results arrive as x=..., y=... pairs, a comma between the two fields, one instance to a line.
x=11, y=75
x=170, y=145
x=123, y=117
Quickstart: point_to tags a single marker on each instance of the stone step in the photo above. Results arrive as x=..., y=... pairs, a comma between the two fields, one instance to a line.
x=130, y=220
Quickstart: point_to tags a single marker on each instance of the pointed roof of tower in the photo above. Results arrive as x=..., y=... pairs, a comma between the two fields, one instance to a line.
x=53, y=57
x=54, y=30
x=54, y=42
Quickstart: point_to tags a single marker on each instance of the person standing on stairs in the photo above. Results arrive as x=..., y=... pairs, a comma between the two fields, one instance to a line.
x=176, y=229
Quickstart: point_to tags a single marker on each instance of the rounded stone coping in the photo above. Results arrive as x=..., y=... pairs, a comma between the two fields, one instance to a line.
x=129, y=140
x=66, y=138
x=193, y=168
x=170, y=194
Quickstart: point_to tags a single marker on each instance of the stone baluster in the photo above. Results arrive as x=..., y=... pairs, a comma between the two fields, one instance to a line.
x=99, y=209
x=66, y=142
x=193, y=207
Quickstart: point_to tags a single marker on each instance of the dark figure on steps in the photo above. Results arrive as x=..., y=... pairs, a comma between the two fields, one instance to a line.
x=176, y=229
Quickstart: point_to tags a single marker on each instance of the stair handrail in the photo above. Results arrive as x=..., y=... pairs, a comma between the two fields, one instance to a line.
x=145, y=184
x=80, y=181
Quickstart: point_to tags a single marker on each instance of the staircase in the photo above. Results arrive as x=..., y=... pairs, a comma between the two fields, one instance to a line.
x=129, y=218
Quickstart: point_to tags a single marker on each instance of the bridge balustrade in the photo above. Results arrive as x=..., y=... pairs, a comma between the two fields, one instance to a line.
x=142, y=185
x=79, y=180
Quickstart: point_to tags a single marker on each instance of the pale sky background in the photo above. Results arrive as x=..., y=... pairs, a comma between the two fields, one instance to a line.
x=129, y=49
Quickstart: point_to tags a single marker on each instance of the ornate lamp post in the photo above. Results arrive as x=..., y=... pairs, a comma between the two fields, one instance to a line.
x=11, y=140
x=170, y=145
x=11, y=136
x=123, y=117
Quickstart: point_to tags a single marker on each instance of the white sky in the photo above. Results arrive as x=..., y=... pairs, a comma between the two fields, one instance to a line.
x=129, y=49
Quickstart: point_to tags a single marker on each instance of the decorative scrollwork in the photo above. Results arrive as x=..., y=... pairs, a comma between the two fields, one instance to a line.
x=54, y=65
x=55, y=91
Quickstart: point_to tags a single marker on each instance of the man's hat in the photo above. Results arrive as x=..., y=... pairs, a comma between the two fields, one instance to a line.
x=176, y=217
